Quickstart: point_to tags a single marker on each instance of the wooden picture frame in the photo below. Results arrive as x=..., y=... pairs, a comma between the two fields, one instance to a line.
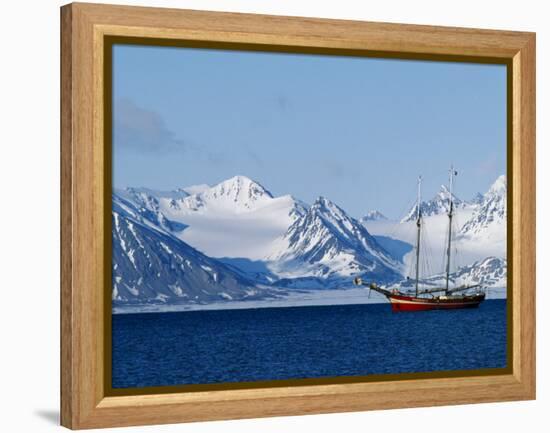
x=85, y=402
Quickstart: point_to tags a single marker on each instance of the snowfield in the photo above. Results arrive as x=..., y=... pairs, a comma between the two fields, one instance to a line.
x=221, y=232
x=235, y=218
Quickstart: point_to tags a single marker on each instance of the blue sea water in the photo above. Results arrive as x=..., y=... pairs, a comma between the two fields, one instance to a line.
x=201, y=347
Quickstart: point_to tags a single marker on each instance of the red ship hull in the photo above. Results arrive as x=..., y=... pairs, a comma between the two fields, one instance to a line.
x=401, y=302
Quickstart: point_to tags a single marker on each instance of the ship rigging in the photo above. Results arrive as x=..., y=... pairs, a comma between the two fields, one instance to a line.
x=436, y=298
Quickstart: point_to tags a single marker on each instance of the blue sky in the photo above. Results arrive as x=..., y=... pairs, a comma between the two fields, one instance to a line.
x=356, y=130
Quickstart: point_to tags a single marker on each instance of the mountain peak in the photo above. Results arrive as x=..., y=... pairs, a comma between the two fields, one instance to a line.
x=241, y=184
x=443, y=195
x=322, y=201
x=437, y=205
x=374, y=215
x=235, y=194
x=239, y=178
x=477, y=198
x=326, y=208
x=491, y=211
x=326, y=243
x=498, y=187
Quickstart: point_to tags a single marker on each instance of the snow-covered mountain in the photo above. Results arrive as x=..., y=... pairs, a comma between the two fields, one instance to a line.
x=238, y=194
x=235, y=195
x=152, y=266
x=140, y=205
x=489, y=272
x=489, y=218
x=328, y=246
x=235, y=240
x=477, y=199
x=439, y=204
x=142, y=194
x=373, y=215
x=235, y=218
x=479, y=230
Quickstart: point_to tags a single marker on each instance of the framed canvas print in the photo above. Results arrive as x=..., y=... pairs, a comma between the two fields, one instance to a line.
x=270, y=216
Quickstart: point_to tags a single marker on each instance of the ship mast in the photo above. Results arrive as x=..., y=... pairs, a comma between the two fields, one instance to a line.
x=418, y=225
x=452, y=174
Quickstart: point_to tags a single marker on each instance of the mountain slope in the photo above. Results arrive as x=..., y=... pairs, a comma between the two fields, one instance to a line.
x=489, y=272
x=151, y=266
x=145, y=209
x=477, y=199
x=327, y=245
x=439, y=204
x=479, y=231
x=490, y=216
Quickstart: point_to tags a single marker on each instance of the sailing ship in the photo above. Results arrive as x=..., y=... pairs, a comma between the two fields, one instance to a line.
x=434, y=298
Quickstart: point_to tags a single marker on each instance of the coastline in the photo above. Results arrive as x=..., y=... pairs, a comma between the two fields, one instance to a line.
x=309, y=298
